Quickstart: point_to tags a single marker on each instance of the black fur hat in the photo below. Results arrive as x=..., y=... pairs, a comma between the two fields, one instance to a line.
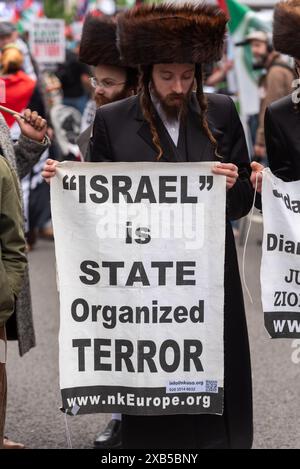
x=98, y=41
x=286, y=29
x=167, y=33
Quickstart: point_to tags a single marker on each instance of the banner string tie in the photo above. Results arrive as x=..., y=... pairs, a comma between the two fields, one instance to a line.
x=246, y=241
x=68, y=433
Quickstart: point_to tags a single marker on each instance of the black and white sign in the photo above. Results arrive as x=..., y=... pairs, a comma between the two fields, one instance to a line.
x=280, y=269
x=140, y=259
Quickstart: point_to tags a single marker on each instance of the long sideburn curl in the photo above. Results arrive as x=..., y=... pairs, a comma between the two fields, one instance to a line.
x=147, y=107
x=297, y=104
x=202, y=101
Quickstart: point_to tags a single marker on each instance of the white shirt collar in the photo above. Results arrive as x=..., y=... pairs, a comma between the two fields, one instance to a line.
x=172, y=125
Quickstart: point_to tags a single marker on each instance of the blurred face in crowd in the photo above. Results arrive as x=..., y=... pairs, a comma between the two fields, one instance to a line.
x=259, y=51
x=8, y=39
x=109, y=84
x=11, y=60
x=172, y=84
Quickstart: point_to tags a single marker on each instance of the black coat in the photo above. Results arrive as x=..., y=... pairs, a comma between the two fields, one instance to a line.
x=282, y=130
x=121, y=134
x=84, y=143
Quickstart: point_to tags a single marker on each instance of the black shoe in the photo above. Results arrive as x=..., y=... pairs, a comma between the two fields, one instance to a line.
x=111, y=437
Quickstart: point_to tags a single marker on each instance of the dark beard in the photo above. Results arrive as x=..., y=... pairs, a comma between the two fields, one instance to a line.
x=174, y=105
x=100, y=100
x=259, y=62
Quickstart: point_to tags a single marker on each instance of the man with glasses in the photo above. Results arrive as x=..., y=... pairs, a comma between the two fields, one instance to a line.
x=112, y=80
x=282, y=120
x=105, y=90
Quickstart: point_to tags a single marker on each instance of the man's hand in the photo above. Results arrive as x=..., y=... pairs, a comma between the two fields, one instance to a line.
x=49, y=170
x=32, y=126
x=230, y=171
x=257, y=168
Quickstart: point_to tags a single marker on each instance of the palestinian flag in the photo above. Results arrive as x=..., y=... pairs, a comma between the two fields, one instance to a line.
x=242, y=22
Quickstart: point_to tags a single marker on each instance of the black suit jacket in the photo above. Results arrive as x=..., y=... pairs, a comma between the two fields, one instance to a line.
x=282, y=130
x=121, y=134
x=84, y=143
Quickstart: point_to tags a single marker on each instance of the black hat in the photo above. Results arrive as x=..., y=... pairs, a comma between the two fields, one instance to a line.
x=286, y=28
x=98, y=41
x=167, y=33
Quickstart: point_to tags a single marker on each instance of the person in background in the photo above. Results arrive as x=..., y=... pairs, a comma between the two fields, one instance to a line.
x=112, y=81
x=74, y=78
x=217, y=79
x=12, y=267
x=275, y=82
x=9, y=35
x=22, y=156
x=22, y=92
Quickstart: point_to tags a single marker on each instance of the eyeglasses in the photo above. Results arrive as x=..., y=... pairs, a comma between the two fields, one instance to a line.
x=104, y=83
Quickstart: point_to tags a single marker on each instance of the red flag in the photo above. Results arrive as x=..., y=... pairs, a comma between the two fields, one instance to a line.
x=223, y=5
x=16, y=16
x=27, y=4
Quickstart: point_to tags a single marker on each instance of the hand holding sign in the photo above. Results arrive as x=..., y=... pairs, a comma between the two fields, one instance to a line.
x=257, y=169
x=230, y=171
x=49, y=170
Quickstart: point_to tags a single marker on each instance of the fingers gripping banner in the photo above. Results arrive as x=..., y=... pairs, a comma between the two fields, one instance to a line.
x=280, y=269
x=140, y=259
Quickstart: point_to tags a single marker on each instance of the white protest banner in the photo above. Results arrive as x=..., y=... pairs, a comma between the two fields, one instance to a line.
x=280, y=268
x=140, y=259
x=47, y=40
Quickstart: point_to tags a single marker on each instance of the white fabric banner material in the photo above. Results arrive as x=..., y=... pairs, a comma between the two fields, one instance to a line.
x=140, y=258
x=280, y=268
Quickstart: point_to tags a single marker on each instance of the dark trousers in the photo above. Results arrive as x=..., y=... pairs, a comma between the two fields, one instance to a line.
x=3, y=383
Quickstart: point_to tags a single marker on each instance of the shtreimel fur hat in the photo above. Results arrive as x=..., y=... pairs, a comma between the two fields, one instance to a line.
x=98, y=41
x=166, y=33
x=286, y=29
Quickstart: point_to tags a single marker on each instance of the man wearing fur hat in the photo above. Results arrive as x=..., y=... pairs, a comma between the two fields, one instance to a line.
x=169, y=122
x=112, y=80
x=282, y=120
